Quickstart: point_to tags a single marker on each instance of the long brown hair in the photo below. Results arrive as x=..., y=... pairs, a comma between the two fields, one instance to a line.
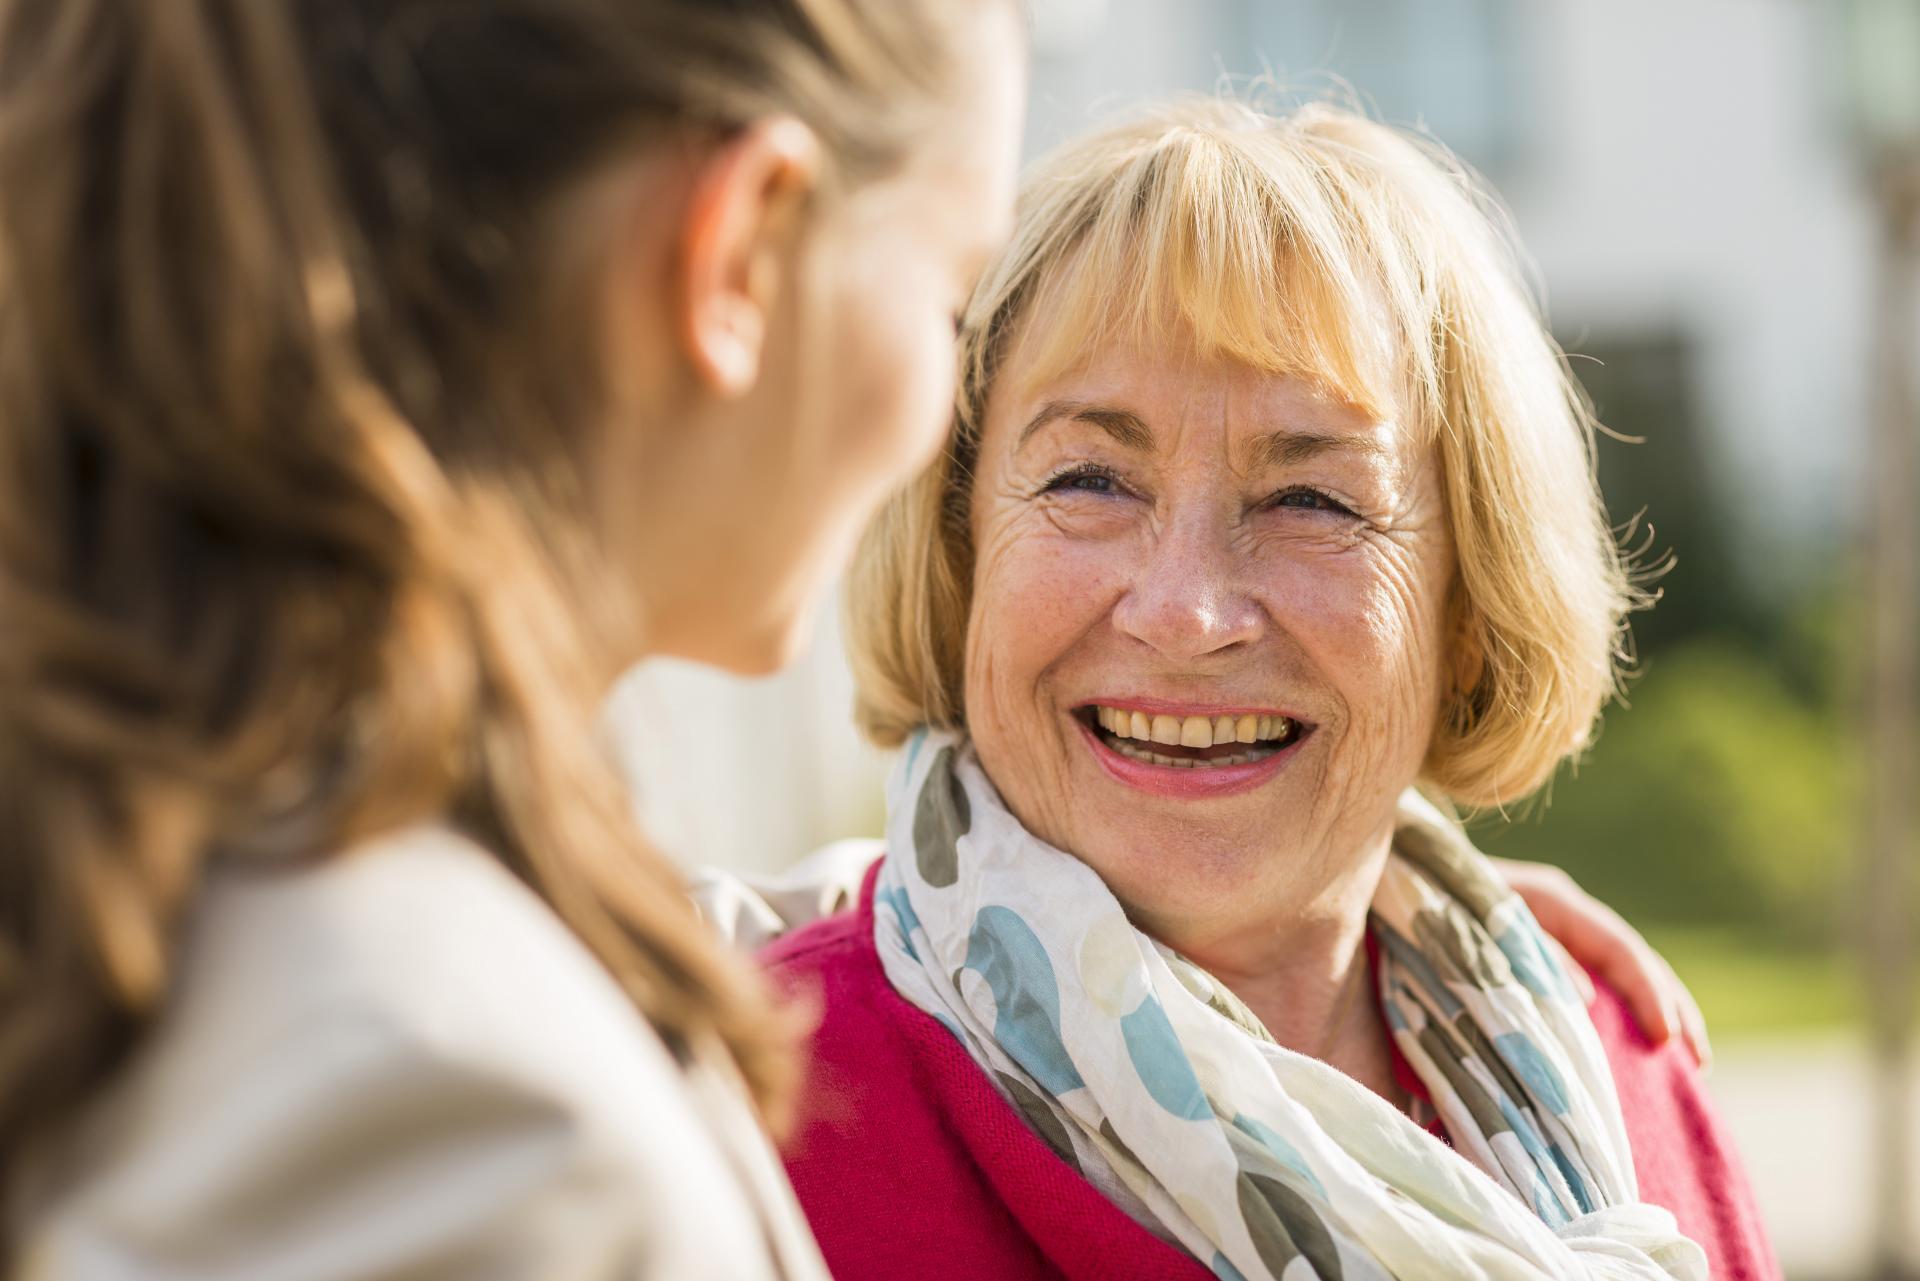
x=290, y=407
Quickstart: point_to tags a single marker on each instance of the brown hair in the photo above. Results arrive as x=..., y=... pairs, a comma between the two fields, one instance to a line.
x=1281, y=240
x=290, y=550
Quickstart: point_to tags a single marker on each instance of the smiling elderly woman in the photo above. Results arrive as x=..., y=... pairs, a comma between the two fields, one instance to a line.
x=1267, y=533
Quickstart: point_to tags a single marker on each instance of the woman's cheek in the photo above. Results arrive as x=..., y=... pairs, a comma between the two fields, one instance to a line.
x=1032, y=607
x=1048, y=585
x=1034, y=599
x=1092, y=526
x=1374, y=648
x=1319, y=599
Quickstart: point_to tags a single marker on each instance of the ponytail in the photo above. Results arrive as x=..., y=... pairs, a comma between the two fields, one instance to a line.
x=206, y=511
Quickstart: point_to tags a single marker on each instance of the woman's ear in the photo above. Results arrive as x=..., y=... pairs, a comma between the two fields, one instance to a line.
x=745, y=213
x=1466, y=655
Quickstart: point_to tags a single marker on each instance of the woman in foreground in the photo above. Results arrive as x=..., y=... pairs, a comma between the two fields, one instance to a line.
x=378, y=380
x=1267, y=534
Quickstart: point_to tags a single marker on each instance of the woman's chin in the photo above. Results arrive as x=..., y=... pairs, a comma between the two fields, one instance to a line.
x=775, y=647
x=747, y=647
x=1176, y=884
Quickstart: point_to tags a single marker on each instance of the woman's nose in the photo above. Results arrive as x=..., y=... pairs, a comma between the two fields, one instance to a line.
x=1186, y=598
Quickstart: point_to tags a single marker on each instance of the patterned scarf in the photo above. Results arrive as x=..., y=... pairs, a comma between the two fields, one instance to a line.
x=1162, y=1088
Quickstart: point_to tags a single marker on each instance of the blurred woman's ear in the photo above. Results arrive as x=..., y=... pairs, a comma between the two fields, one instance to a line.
x=1466, y=656
x=745, y=214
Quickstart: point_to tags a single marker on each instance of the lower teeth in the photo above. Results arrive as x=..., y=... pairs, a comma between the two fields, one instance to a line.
x=1132, y=752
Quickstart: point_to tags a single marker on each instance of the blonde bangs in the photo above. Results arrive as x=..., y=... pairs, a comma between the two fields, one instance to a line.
x=1279, y=246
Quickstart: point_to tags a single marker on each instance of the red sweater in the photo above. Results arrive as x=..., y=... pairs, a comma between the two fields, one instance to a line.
x=910, y=1164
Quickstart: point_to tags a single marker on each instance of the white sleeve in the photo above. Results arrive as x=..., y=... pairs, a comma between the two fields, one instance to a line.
x=355, y=1151
x=399, y=1063
x=752, y=911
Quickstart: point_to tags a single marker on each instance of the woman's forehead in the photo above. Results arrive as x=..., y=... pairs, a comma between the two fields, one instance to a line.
x=1311, y=356
x=1143, y=390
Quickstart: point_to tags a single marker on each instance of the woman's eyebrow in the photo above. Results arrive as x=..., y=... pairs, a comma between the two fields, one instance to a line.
x=1290, y=448
x=1121, y=424
x=1269, y=449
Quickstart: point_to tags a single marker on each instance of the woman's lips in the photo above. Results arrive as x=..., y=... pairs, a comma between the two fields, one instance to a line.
x=1194, y=781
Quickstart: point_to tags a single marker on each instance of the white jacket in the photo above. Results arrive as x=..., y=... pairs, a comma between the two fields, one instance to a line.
x=399, y=1063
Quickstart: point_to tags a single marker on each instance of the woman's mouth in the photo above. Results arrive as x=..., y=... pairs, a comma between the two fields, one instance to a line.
x=1182, y=753
x=1189, y=742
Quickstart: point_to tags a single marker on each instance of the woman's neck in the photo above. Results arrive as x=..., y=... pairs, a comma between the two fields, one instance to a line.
x=1306, y=976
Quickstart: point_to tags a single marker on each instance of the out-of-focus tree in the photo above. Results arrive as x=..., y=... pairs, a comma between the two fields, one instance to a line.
x=1883, y=98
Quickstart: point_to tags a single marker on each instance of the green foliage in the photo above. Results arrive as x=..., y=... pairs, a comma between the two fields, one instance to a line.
x=1746, y=990
x=1717, y=797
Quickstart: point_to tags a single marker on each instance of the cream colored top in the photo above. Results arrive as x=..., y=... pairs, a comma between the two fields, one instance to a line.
x=399, y=1063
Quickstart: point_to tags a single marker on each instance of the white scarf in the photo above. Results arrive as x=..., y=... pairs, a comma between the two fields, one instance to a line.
x=1165, y=1091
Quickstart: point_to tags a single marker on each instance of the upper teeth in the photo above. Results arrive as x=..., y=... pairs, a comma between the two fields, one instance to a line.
x=1191, y=731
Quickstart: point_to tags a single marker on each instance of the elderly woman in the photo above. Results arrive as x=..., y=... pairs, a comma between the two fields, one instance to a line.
x=1267, y=534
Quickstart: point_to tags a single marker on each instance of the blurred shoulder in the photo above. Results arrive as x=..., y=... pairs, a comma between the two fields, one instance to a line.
x=398, y=899
x=423, y=932
x=398, y=1058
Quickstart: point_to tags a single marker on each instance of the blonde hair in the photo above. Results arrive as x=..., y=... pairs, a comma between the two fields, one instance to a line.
x=291, y=425
x=1282, y=241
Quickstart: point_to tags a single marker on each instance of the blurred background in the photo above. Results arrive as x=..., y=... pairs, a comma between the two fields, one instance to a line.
x=1720, y=197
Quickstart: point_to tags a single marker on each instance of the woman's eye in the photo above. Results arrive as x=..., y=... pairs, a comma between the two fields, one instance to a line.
x=1091, y=480
x=1310, y=500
